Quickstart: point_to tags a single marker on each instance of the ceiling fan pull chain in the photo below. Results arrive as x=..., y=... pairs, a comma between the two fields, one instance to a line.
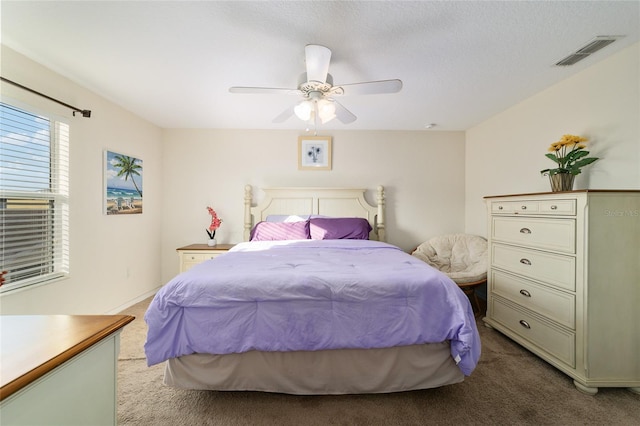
x=315, y=124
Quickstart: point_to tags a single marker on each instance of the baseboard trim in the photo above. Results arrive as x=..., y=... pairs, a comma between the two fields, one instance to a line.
x=133, y=302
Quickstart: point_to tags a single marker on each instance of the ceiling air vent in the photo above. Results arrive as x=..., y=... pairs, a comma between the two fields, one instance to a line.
x=590, y=48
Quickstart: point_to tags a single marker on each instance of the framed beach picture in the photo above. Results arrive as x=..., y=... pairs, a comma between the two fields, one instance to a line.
x=314, y=153
x=122, y=184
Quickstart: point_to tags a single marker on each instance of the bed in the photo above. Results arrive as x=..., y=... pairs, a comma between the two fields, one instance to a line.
x=313, y=302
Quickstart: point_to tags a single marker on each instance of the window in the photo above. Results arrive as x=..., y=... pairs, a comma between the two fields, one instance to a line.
x=34, y=198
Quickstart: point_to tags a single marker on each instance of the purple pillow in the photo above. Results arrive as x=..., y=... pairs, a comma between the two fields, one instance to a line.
x=272, y=231
x=354, y=228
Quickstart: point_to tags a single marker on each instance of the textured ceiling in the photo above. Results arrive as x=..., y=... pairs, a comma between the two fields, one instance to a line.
x=172, y=62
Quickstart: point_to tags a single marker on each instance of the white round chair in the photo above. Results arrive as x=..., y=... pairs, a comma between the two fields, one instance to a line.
x=462, y=257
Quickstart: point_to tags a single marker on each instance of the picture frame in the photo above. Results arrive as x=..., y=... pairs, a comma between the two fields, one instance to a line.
x=122, y=189
x=314, y=153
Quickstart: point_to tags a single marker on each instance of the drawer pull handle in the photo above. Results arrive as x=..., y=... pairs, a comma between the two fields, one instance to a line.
x=525, y=261
x=523, y=207
x=554, y=207
x=525, y=324
x=525, y=293
x=500, y=207
x=525, y=231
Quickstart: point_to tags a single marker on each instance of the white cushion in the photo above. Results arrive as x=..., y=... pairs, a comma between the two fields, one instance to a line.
x=463, y=257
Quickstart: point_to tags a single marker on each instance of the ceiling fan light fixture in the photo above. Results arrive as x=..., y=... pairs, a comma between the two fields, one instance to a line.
x=303, y=110
x=326, y=110
x=327, y=118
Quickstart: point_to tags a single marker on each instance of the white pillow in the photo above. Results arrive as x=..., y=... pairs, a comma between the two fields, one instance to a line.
x=290, y=217
x=285, y=218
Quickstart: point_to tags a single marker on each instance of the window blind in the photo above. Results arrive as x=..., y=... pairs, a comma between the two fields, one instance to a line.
x=34, y=197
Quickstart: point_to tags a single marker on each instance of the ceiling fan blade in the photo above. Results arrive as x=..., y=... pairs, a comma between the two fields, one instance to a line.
x=344, y=115
x=368, y=88
x=317, y=59
x=284, y=115
x=264, y=90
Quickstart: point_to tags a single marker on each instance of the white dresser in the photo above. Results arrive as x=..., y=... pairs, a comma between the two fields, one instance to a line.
x=59, y=369
x=564, y=281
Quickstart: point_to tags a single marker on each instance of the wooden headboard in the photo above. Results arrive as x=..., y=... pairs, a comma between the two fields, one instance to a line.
x=334, y=202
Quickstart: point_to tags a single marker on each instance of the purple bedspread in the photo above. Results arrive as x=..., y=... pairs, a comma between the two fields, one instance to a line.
x=310, y=295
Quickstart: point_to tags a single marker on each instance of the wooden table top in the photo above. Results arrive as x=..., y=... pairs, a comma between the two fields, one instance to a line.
x=206, y=247
x=33, y=345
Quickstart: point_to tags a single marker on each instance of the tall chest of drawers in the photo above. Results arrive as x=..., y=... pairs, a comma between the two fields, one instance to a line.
x=564, y=281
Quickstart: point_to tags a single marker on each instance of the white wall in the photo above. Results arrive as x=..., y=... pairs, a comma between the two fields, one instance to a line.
x=505, y=154
x=433, y=183
x=422, y=172
x=114, y=259
x=117, y=260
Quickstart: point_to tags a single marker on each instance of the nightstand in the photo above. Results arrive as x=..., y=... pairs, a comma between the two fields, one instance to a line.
x=195, y=253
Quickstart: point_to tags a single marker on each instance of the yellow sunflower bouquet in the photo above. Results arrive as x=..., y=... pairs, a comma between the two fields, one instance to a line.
x=569, y=154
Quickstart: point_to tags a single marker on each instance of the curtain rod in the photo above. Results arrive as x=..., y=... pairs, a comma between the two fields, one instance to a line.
x=84, y=112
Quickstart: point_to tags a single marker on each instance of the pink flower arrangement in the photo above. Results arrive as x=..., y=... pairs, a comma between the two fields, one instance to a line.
x=215, y=223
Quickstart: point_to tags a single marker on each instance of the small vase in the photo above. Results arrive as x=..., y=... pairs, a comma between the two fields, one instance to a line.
x=212, y=242
x=561, y=182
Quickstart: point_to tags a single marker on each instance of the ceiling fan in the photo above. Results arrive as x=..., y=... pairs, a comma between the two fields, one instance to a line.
x=318, y=92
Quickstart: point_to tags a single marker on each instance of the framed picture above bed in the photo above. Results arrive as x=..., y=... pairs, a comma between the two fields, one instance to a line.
x=314, y=153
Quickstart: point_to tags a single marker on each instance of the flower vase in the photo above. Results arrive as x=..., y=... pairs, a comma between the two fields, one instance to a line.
x=212, y=242
x=561, y=182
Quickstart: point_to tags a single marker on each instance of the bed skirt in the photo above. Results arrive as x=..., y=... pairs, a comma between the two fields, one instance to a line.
x=342, y=371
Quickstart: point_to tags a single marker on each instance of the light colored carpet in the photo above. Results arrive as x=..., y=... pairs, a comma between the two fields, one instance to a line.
x=510, y=386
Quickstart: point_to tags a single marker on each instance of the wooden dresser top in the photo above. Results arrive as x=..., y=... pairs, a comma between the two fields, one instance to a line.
x=33, y=345
x=206, y=247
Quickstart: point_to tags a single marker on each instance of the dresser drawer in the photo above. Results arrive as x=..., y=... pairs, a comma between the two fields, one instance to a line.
x=185, y=266
x=557, y=207
x=199, y=257
x=554, y=269
x=554, y=340
x=190, y=258
x=510, y=207
x=553, y=304
x=549, y=234
x=543, y=207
